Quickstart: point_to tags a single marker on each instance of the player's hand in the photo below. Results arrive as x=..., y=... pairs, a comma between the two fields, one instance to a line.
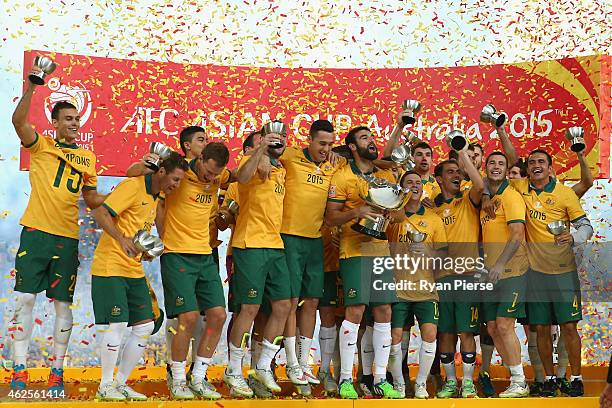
x=405, y=112
x=395, y=217
x=495, y=273
x=488, y=206
x=128, y=247
x=334, y=158
x=565, y=238
x=428, y=202
x=270, y=139
x=365, y=211
x=147, y=257
x=223, y=219
x=34, y=71
x=148, y=157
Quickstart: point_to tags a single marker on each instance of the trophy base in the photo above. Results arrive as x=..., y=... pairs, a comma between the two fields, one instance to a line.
x=35, y=79
x=375, y=229
x=152, y=166
x=408, y=120
x=458, y=143
x=501, y=119
x=578, y=145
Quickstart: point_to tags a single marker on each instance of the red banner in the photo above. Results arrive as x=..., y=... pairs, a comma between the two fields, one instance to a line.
x=125, y=105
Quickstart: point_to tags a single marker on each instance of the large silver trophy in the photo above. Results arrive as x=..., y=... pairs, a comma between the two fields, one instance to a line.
x=456, y=140
x=277, y=127
x=162, y=151
x=383, y=195
x=402, y=154
x=147, y=243
x=413, y=106
x=575, y=135
x=490, y=115
x=556, y=228
x=47, y=67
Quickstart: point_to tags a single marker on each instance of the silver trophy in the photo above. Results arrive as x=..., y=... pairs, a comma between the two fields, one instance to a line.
x=383, y=195
x=147, y=243
x=413, y=106
x=402, y=155
x=456, y=140
x=162, y=151
x=47, y=67
x=575, y=135
x=232, y=207
x=417, y=237
x=556, y=228
x=490, y=115
x=277, y=127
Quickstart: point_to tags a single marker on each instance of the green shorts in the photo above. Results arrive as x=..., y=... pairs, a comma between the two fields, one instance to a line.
x=46, y=262
x=362, y=286
x=554, y=299
x=506, y=300
x=457, y=316
x=119, y=299
x=305, y=262
x=259, y=271
x=404, y=312
x=330, y=290
x=191, y=283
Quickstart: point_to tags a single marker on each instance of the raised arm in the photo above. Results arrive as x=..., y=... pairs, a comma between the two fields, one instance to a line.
x=247, y=170
x=24, y=129
x=507, y=146
x=474, y=175
x=586, y=178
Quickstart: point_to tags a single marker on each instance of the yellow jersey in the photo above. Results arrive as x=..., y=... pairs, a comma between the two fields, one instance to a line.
x=423, y=269
x=509, y=208
x=346, y=186
x=261, y=210
x=133, y=207
x=430, y=187
x=220, y=183
x=307, y=184
x=58, y=172
x=555, y=202
x=331, y=254
x=231, y=194
x=462, y=224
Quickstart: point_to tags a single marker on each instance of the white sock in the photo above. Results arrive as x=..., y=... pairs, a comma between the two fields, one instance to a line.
x=133, y=350
x=487, y=356
x=268, y=352
x=200, y=366
x=395, y=363
x=517, y=374
x=427, y=354
x=61, y=332
x=367, y=351
x=575, y=377
x=22, y=323
x=348, y=346
x=171, y=328
x=381, y=340
x=449, y=368
x=255, y=352
x=236, y=354
x=290, y=351
x=562, y=357
x=109, y=348
x=468, y=368
x=327, y=343
x=534, y=357
x=178, y=372
x=304, y=350
x=405, y=343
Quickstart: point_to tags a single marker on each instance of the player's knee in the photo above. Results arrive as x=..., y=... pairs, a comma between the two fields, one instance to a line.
x=354, y=313
x=542, y=330
x=310, y=304
x=62, y=310
x=492, y=330
x=429, y=332
x=382, y=313
x=282, y=307
x=25, y=302
x=568, y=329
x=249, y=311
x=188, y=320
x=216, y=316
x=505, y=326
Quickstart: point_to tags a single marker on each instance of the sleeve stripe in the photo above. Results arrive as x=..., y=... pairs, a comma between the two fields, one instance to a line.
x=90, y=188
x=515, y=221
x=335, y=200
x=579, y=218
x=110, y=210
x=33, y=143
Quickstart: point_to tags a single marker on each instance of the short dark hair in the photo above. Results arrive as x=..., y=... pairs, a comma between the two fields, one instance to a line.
x=422, y=145
x=58, y=107
x=401, y=180
x=350, y=137
x=497, y=153
x=440, y=166
x=343, y=150
x=320, y=125
x=173, y=162
x=544, y=152
x=248, y=141
x=187, y=135
x=476, y=145
x=522, y=165
x=218, y=152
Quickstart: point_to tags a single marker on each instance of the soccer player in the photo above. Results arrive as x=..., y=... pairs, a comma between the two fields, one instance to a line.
x=553, y=276
x=190, y=276
x=419, y=302
x=506, y=260
x=459, y=212
x=260, y=264
x=357, y=255
x=47, y=259
x=119, y=289
x=309, y=173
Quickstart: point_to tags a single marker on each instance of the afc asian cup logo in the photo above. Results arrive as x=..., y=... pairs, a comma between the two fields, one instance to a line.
x=76, y=95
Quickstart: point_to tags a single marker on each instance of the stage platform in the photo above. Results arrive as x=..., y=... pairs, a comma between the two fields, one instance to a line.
x=81, y=385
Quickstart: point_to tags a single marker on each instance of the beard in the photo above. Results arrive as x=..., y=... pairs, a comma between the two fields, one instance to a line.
x=364, y=153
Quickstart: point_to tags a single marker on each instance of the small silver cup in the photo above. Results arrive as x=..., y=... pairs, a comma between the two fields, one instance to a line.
x=490, y=115
x=162, y=151
x=575, y=135
x=417, y=237
x=147, y=243
x=556, y=228
x=456, y=140
x=276, y=126
x=232, y=207
x=413, y=106
x=47, y=66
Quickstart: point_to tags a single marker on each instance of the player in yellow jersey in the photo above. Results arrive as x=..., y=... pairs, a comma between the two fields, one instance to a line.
x=506, y=260
x=459, y=212
x=420, y=299
x=309, y=173
x=554, y=283
x=260, y=264
x=119, y=289
x=47, y=259
x=358, y=253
